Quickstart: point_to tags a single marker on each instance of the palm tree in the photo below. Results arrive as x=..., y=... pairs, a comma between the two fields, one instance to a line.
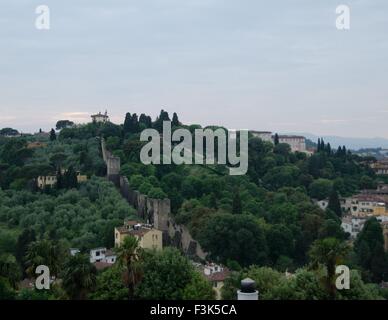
x=329, y=252
x=44, y=252
x=79, y=277
x=128, y=255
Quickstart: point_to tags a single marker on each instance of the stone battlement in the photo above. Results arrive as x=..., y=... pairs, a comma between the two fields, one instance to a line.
x=154, y=211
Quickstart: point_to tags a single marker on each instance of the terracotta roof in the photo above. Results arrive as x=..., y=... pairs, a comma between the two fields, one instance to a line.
x=219, y=276
x=369, y=197
x=291, y=137
x=102, y=265
x=135, y=232
x=254, y=131
x=27, y=284
x=109, y=253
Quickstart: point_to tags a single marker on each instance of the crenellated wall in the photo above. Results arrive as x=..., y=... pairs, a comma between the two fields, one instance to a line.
x=153, y=211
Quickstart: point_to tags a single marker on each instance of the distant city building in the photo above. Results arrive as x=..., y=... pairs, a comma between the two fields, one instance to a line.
x=215, y=274
x=361, y=205
x=147, y=235
x=100, y=118
x=380, y=167
x=296, y=143
x=353, y=225
x=102, y=255
x=263, y=135
x=51, y=180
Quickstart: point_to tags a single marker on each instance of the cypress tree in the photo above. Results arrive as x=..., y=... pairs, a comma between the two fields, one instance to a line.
x=53, y=135
x=135, y=123
x=236, y=205
x=276, y=139
x=175, y=120
x=334, y=203
x=328, y=149
x=128, y=123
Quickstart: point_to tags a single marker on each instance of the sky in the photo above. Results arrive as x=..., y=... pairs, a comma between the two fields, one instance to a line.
x=279, y=65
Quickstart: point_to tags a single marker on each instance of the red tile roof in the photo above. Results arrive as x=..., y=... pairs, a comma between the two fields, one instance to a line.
x=102, y=265
x=219, y=276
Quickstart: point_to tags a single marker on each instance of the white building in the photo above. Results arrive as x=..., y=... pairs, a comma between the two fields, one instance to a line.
x=216, y=274
x=74, y=251
x=297, y=143
x=353, y=225
x=110, y=257
x=97, y=255
x=102, y=255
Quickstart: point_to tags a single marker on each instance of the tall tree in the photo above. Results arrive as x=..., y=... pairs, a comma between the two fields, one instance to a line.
x=128, y=123
x=175, y=120
x=53, y=135
x=369, y=249
x=328, y=252
x=24, y=240
x=334, y=203
x=166, y=275
x=45, y=252
x=276, y=139
x=236, y=205
x=135, y=123
x=128, y=257
x=62, y=124
x=70, y=179
x=79, y=277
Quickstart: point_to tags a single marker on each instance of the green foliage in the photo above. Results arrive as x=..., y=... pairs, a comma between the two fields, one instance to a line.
x=166, y=274
x=198, y=288
x=110, y=285
x=369, y=249
x=6, y=291
x=334, y=203
x=45, y=252
x=85, y=218
x=235, y=237
x=128, y=256
x=78, y=277
x=328, y=252
x=320, y=188
x=61, y=124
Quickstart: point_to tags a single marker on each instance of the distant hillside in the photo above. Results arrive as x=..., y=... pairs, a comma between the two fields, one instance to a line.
x=350, y=143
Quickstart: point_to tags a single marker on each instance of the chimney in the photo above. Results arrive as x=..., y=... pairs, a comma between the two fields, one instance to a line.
x=248, y=290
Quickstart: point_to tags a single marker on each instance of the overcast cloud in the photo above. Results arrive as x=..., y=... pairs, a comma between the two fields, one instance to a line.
x=264, y=65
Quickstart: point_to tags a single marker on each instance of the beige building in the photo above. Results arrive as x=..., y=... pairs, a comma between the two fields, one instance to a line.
x=147, y=235
x=263, y=135
x=380, y=167
x=297, y=143
x=384, y=225
x=361, y=205
x=46, y=181
x=50, y=181
x=100, y=118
